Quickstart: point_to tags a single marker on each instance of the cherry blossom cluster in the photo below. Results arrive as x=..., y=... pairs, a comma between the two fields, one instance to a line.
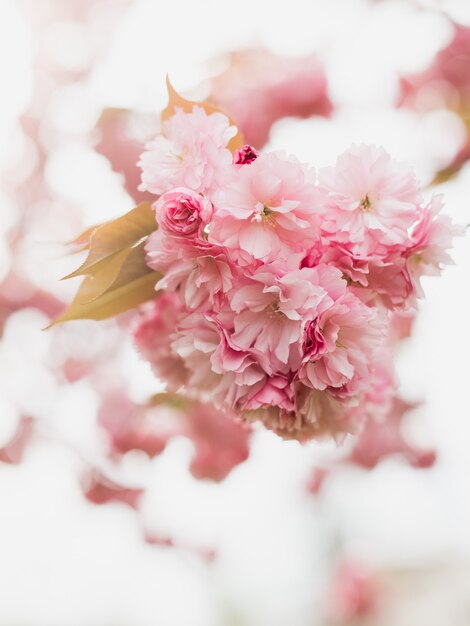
x=279, y=283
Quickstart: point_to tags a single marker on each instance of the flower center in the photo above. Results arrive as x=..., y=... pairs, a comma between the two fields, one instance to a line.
x=264, y=214
x=365, y=204
x=273, y=310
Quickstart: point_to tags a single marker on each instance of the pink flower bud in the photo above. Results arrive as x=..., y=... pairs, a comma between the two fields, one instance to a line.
x=246, y=155
x=182, y=212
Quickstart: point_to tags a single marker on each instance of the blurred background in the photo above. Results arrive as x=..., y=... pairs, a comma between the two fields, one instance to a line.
x=105, y=523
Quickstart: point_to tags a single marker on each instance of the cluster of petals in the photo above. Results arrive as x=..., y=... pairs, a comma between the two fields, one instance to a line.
x=280, y=289
x=190, y=152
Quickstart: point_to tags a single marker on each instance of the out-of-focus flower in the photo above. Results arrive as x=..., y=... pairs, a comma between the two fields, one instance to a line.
x=12, y=452
x=380, y=440
x=444, y=84
x=122, y=150
x=381, y=437
x=130, y=426
x=447, y=79
x=353, y=594
x=258, y=88
x=221, y=442
x=17, y=292
x=99, y=489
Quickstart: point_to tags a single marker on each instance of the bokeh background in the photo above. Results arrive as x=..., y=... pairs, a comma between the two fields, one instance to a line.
x=389, y=547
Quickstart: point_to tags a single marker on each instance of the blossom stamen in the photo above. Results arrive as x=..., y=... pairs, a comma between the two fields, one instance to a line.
x=273, y=310
x=365, y=204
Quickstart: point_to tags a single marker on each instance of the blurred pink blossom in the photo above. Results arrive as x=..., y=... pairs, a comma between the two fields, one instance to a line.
x=12, y=452
x=258, y=88
x=99, y=489
x=353, y=593
x=445, y=83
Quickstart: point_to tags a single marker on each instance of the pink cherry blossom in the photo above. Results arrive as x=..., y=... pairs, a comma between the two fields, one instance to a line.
x=316, y=415
x=276, y=391
x=260, y=213
x=191, y=152
x=396, y=279
x=279, y=289
x=182, y=212
x=339, y=345
x=153, y=332
x=431, y=239
x=371, y=201
x=216, y=363
x=199, y=270
x=271, y=311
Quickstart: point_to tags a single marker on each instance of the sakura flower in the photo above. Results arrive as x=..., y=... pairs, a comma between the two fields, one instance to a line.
x=218, y=367
x=397, y=278
x=271, y=310
x=199, y=270
x=354, y=267
x=182, y=212
x=153, y=330
x=389, y=283
x=191, y=152
x=279, y=289
x=276, y=391
x=431, y=239
x=371, y=201
x=315, y=415
x=339, y=346
x=267, y=211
